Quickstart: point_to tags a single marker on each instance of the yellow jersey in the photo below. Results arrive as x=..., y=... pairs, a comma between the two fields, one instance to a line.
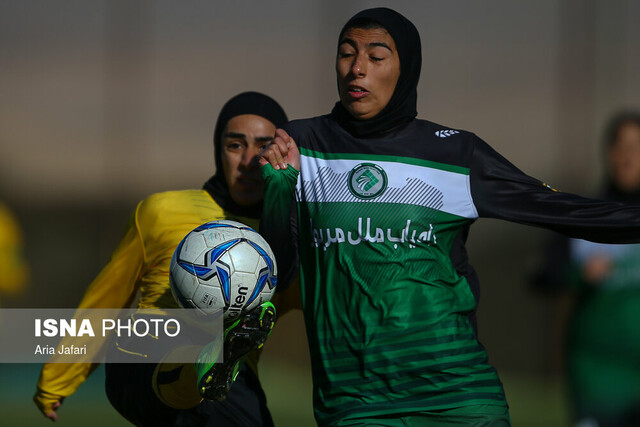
x=139, y=263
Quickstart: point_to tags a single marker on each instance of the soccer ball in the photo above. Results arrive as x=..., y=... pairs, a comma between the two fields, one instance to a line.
x=223, y=265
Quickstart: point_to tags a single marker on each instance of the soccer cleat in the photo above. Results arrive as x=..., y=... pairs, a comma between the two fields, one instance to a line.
x=246, y=334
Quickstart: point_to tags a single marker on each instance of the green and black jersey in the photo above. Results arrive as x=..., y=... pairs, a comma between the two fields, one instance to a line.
x=388, y=295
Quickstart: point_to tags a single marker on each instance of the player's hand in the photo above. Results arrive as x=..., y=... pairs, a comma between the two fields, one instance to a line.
x=53, y=415
x=282, y=152
x=48, y=404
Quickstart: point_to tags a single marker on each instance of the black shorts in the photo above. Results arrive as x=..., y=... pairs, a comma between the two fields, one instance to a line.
x=129, y=389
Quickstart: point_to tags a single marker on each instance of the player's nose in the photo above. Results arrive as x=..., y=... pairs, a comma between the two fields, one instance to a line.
x=358, y=66
x=250, y=156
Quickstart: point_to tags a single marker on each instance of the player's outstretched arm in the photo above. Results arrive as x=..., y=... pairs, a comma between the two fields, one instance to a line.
x=48, y=403
x=281, y=152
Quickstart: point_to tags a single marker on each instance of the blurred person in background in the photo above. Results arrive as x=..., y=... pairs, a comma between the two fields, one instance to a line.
x=14, y=272
x=13, y=265
x=383, y=204
x=603, y=332
x=166, y=394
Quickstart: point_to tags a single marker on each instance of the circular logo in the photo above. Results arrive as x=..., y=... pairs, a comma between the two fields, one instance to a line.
x=367, y=181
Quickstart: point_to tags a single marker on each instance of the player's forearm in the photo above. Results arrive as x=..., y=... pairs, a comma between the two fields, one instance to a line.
x=46, y=401
x=278, y=224
x=60, y=380
x=500, y=190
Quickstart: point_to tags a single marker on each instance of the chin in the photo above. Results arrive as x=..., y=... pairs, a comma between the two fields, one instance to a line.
x=244, y=199
x=357, y=113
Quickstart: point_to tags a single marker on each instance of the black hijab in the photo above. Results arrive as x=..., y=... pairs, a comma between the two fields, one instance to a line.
x=244, y=103
x=401, y=108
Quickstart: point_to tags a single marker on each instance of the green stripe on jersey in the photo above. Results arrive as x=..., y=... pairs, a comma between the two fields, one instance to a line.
x=392, y=343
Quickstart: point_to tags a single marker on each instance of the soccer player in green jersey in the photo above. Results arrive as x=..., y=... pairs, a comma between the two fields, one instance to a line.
x=602, y=336
x=383, y=206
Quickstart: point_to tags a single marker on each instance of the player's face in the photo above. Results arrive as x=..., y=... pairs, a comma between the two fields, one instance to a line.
x=368, y=69
x=242, y=139
x=624, y=158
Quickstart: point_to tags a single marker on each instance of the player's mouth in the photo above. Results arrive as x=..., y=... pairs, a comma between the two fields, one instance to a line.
x=357, y=92
x=249, y=182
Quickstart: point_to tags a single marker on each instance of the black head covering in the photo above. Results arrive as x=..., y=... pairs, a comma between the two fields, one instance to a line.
x=401, y=108
x=244, y=103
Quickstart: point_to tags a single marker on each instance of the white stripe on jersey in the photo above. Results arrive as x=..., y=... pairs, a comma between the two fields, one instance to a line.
x=326, y=180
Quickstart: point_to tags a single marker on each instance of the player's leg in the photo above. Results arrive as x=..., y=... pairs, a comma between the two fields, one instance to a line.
x=155, y=394
x=129, y=391
x=128, y=387
x=175, y=383
x=245, y=335
x=131, y=386
x=245, y=405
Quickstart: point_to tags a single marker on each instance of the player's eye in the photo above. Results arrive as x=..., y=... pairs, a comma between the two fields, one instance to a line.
x=264, y=144
x=234, y=146
x=346, y=52
x=378, y=54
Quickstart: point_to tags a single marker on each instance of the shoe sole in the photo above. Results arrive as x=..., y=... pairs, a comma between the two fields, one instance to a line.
x=248, y=336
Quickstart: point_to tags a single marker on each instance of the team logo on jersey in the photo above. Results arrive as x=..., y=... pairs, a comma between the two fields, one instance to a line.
x=367, y=181
x=446, y=133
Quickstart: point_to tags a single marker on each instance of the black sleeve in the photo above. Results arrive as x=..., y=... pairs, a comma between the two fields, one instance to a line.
x=500, y=190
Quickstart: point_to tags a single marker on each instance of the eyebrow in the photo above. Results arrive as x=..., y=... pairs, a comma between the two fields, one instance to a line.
x=234, y=135
x=243, y=136
x=264, y=138
x=369, y=45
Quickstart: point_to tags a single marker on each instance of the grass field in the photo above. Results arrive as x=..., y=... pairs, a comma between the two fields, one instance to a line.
x=289, y=398
x=534, y=401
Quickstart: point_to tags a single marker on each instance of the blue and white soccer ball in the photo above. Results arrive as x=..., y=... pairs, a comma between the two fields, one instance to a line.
x=223, y=265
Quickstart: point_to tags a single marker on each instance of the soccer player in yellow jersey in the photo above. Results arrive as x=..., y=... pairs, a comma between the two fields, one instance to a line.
x=13, y=267
x=142, y=393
